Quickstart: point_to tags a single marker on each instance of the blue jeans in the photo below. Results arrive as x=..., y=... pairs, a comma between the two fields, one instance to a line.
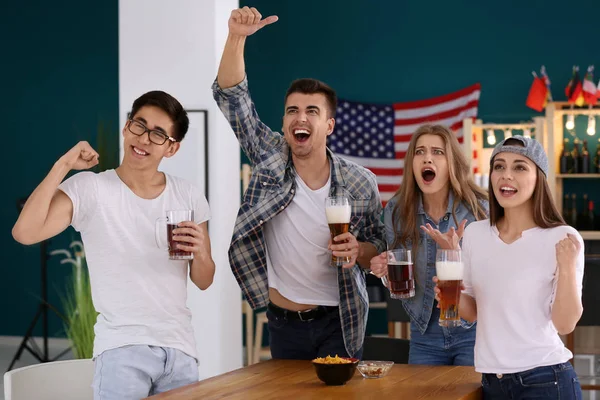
x=138, y=371
x=551, y=382
x=440, y=345
x=298, y=340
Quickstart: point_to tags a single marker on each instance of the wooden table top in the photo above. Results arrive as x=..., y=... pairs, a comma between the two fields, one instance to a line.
x=292, y=379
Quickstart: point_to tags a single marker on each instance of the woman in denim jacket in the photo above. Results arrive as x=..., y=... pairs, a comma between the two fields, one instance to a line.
x=440, y=196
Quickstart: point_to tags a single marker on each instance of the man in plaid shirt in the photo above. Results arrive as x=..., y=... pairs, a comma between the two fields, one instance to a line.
x=281, y=248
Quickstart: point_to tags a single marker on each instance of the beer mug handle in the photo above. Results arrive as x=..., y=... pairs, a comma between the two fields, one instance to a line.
x=160, y=233
x=385, y=282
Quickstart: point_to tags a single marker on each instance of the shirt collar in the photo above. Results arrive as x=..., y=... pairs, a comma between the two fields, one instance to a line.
x=336, y=175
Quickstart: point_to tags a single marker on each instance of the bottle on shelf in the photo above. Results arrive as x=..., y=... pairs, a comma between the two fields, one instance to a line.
x=575, y=154
x=573, y=212
x=591, y=218
x=582, y=217
x=584, y=168
x=565, y=158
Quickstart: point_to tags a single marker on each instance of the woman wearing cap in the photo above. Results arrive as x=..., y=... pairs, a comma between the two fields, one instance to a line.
x=436, y=192
x=523, y=273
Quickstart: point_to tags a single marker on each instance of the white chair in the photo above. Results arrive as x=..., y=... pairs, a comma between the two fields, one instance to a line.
x=59, y=380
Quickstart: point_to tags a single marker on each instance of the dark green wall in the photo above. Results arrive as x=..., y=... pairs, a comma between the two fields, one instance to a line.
x=390, y=51
x=59, y=80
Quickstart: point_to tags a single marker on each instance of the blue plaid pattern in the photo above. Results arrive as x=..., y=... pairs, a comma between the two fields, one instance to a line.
x=270, y=191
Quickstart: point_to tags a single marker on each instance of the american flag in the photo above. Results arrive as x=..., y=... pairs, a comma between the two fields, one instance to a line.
x=376, y=136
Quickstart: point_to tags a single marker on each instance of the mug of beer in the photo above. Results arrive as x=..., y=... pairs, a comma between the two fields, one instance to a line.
x=400, y=279
x=338, y=211
x=449, y=270
x=172, y=219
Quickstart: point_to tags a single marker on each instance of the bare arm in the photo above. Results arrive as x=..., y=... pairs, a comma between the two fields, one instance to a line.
x=242, y=23
x=467, y=308
x=48, y=211
x=567, y=307
x=202, y=268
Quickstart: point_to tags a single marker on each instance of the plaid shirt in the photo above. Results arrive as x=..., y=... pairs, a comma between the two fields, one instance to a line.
x=271, y=190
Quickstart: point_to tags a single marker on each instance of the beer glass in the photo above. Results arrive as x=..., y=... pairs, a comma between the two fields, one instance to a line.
x=172, y=219
x=338, y=211
x=449, y=270
x=400, y=279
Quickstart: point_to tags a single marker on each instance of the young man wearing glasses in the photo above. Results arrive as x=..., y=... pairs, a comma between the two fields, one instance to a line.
x=144, y=340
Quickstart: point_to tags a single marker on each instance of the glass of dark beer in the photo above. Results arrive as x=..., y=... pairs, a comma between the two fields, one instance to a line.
x=173, y=218
x=449, y=270
x=400, y=279
x=338, y=212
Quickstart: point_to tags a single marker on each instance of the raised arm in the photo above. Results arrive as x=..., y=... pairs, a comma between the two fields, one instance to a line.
x=48, y=211
x=230, y=89
x=243, y=22
x=567, y=307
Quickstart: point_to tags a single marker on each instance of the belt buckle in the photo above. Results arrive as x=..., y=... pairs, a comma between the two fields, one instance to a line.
x=304, y=312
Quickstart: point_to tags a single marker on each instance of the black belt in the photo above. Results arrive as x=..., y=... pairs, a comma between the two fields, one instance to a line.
x=304, y=316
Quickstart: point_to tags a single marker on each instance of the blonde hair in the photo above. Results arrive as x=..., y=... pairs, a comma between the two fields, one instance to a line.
x=461, y=183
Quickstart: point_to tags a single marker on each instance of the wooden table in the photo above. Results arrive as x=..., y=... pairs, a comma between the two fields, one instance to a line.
x=290, y=379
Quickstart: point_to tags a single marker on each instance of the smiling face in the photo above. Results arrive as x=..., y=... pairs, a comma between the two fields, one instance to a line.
x=306, y=123
x=513, y=179
x=430, y=164
x=140, y=151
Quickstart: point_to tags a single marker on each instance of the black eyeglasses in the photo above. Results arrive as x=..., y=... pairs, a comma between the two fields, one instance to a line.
x=156, y=137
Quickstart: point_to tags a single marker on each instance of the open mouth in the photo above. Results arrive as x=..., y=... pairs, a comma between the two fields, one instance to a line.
x=508, y=191
x=139, y=152
x=428, y=175
x=301, y=135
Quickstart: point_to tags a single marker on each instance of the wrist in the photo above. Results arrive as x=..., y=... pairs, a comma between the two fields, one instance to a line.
x=62, y=165
x=236, y=39
x=566, y=270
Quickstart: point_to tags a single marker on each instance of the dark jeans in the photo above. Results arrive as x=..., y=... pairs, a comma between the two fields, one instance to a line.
x=294, y=339
x=551, y=382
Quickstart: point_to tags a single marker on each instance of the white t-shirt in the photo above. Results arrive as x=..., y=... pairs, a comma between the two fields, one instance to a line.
x=298, y=260
x=514, y=287
x=140, y=294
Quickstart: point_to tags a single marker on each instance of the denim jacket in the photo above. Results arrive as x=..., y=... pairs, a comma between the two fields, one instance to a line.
x=420, y=307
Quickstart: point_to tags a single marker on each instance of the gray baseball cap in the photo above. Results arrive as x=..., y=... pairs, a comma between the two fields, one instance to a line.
x=531, y=149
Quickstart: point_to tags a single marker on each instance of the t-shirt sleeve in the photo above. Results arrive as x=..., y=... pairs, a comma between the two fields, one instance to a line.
x=466, y=256
x=201, y=207
x=82, y=189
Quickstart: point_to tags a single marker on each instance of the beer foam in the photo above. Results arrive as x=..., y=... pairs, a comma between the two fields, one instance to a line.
x=449, y=270
x=338, y=214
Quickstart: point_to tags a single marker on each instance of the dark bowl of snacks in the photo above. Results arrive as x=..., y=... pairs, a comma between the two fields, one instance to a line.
x=335, y=371
x=374, y=369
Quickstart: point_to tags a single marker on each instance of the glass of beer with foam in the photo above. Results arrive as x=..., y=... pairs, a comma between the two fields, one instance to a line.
x=449, y=270
x=338, y=211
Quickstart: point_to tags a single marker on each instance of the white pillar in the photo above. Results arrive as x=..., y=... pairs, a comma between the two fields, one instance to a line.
x=176, y=47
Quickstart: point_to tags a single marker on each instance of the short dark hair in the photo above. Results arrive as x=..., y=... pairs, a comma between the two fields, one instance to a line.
x=312, y=86
x=170, y=105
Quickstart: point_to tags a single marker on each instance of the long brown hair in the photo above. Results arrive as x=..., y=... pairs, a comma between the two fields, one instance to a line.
x=545, y=213
x=462, y=185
